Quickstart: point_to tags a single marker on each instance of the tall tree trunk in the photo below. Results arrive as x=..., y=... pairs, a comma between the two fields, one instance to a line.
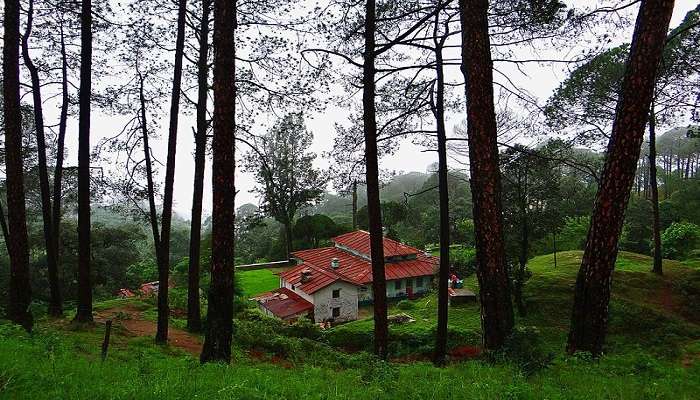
x=524, y=250
x=376, y=237
x=55, y=303
x=166, y=219
x=494, y=288
x=656, y=225
x=667, y=176
x=592, y=293
x=60, y=149
x=354, y=205
x=217, y=343
x=84, y=311
x=554, y=244
x=288, y=237
x=19, y=286
x=194, y=319
x=150, y=187
x=444, y=274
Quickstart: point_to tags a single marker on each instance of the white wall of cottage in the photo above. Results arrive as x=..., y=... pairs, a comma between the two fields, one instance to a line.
x=324, y=302
x=347, y=302
x=365, y=293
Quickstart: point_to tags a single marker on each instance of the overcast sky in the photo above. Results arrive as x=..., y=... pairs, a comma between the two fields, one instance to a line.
x=538, y=80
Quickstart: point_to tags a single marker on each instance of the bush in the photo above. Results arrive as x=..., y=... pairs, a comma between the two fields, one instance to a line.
x=405, y=305
x=573, y=235
x=526, y=349
x=463, y=261
x=679, y=240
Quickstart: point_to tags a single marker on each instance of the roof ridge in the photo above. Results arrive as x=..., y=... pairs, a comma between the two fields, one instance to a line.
x=331, y=272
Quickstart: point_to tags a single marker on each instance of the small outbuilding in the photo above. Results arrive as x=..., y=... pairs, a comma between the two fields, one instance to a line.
x=461, y=296
x=283, y=304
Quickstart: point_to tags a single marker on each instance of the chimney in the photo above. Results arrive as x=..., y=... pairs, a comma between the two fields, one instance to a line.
x=335, y=263
x=305, y=275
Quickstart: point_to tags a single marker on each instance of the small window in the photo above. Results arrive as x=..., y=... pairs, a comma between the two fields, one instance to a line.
x=336, y=293
x=419, y=281
x=336, y=312
x=397, y=285
x=293, y=287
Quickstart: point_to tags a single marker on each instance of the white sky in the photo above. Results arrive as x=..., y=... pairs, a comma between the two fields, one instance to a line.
x=540, y=81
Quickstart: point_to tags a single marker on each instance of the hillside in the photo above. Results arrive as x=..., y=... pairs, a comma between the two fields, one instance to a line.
x=653, y=350
x=393, y=190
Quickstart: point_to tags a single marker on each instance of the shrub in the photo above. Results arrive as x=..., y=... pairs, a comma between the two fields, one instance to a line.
x=463, y=261
x=680, y=239
x=572, y=235
x=405, y=305
x=526, y=349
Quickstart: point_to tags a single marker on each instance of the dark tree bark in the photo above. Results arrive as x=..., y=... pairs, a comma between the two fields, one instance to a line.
x=55, y=302
x=494, y=288
x=166, y=219
x=524, y=249
x=438, y=108
x=589, y=318
x=194, y=319
x=19, y=287
x=381, y=329
x=554, y=245
x=288, y=237
x=656, y=225
x=150, y=187
x=60, y=149
x=354, y=205
x=217, y=343
x=84, y=311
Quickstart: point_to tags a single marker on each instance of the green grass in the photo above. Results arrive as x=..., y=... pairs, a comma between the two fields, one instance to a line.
x=55, y=364
x=653, y=350
x=660, y=314
x=257, y=281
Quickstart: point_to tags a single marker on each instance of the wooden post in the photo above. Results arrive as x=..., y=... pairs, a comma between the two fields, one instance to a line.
x=105, y=342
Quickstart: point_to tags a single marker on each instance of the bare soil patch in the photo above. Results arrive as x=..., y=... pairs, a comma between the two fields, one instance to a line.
x=131, y=319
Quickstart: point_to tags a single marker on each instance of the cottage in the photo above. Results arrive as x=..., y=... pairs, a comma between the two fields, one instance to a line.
x=336, y=280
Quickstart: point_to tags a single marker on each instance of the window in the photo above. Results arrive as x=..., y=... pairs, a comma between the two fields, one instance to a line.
x=336, y=312
x=336, y=293
x=293, y=287
x=397, y=285
x=419, y=281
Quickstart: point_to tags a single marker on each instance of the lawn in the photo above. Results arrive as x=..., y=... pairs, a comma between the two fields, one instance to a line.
x=257, y=281
x=653, y=350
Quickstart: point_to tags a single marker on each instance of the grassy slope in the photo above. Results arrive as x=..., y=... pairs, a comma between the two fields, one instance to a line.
x=653, y=330
x=660, y=314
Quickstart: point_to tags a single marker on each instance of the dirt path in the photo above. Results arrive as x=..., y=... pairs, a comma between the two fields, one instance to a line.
x=130, y=318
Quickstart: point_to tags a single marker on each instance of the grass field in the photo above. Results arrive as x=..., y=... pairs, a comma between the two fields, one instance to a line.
x=653, y=350
x=257, y=281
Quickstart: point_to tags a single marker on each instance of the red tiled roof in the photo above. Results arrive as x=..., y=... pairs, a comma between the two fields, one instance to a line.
x=320, y=277
x=283, y=303
x=353, y=268
x=359, y=241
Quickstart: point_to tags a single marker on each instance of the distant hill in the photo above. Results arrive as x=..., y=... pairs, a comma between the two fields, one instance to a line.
x=336, y=205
